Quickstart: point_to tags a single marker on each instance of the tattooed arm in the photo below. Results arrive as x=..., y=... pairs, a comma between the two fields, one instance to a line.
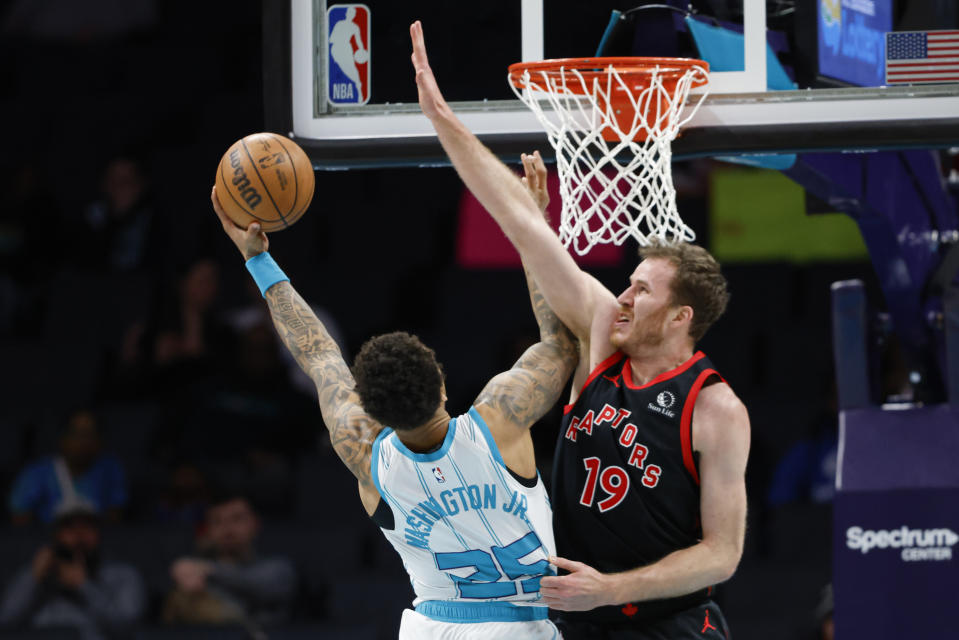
x=521, y=396
x=351, y=431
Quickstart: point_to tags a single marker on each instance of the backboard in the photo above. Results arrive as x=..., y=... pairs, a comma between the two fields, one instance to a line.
x=367, y=115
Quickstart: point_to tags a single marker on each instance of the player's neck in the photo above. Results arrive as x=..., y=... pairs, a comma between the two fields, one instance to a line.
x=426, y=437
x=647, y=363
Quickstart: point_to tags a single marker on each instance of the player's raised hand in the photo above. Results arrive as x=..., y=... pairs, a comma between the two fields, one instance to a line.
x=535, y=180
x=250, y=241
x=431, y=100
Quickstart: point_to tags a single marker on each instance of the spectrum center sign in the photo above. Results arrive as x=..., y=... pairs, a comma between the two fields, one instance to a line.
x=916, y=545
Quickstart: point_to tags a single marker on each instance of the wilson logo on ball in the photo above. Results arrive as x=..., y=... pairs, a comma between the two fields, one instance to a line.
x=242, y=183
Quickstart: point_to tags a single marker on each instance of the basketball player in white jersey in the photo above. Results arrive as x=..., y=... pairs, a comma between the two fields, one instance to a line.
x=459, y=498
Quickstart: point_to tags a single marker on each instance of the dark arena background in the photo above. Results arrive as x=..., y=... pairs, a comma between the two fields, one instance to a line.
x=134, y=346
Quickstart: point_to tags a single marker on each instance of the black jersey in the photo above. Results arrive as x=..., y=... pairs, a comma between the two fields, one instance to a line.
x=625, y=477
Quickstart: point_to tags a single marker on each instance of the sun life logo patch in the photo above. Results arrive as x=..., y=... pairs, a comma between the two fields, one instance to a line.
x=665, y=399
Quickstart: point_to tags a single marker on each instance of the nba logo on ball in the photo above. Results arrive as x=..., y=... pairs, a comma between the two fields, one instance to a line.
x=348, y=62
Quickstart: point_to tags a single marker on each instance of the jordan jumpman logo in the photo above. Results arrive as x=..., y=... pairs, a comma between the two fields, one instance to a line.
x=707, y=625
x=614, y=379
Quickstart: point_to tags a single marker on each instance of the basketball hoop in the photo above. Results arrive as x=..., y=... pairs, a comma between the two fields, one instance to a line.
x=596, y=110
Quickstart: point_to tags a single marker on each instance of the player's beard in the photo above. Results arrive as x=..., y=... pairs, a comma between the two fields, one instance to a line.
x=645, y=333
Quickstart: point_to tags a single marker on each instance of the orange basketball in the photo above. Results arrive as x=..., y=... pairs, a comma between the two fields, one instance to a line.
x=266, y=178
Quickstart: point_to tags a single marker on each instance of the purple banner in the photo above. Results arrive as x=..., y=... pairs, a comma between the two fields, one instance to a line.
x=895, y=563
x=899, y=449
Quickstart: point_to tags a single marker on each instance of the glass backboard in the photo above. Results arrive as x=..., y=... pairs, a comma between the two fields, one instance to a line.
x=339, y=80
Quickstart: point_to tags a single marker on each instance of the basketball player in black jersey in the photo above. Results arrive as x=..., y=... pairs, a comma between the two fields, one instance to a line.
x=649, y=477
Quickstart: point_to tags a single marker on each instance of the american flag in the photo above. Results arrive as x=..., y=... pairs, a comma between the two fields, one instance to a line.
x=922, y=56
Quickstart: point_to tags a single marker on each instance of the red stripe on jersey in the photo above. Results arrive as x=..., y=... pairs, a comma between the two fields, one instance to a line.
x=672, y=373
x=599, y=369
x=686, y=422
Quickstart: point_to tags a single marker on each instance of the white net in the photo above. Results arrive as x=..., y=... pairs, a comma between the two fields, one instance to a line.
x=620, y=185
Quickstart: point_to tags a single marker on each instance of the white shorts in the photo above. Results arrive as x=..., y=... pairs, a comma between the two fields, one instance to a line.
x=416, y=626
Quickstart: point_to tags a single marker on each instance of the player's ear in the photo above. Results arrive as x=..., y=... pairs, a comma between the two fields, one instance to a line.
x=684, y=314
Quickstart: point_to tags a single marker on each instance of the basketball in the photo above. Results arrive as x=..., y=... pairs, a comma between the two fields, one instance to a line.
x=362, y=56
x=265, y=178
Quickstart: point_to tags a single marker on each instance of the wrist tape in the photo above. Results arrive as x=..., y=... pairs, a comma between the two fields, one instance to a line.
x=265, y=271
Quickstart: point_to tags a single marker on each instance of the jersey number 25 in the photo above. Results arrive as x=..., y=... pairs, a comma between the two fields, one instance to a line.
x=484, y=582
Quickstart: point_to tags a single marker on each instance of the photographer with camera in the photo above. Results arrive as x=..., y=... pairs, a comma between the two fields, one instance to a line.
x=68, y=585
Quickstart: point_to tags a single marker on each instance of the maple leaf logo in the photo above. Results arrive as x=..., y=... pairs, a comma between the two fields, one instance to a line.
x=630, y=609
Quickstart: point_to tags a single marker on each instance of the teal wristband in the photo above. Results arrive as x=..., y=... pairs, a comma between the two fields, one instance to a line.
x=265, y=271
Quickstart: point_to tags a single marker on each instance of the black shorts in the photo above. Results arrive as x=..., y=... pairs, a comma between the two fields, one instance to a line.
x=702, y=622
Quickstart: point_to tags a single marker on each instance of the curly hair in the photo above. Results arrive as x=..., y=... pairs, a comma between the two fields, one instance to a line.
x=698, y=282
x=398, y=379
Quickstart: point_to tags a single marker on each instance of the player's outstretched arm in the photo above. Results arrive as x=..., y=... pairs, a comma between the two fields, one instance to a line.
x=574, y=295
x=521, y=396
x=352, y=432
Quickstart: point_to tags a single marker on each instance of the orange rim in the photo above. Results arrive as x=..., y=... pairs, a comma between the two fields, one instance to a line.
x=635, y=69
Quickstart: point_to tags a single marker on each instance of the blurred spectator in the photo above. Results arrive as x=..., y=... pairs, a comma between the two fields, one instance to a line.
x=184, y=332
x=68, y=584
x=248, y=424
x=227, y=583
x=81, y=470
x=119, y=232
x=182, y=340
x=806, y=474
x=185, y=497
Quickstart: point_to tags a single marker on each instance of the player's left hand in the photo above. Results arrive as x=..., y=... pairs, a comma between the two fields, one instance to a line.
x=431, y=100
x=584, y=588
x=535, y=180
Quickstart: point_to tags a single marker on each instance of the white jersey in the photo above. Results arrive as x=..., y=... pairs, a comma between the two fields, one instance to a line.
x=473, y=539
